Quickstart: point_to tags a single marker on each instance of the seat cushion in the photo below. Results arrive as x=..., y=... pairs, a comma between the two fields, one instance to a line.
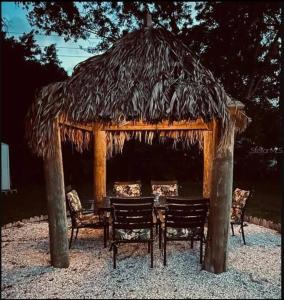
x=239, y=201
x=74, y=201
x=87, y=219
x=127, y=190
x=182, y=232
x=132, y=234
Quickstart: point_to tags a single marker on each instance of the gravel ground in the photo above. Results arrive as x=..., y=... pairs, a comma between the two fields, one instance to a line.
x=254, y=270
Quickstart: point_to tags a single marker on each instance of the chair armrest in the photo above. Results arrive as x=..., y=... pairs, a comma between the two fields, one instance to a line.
x=88, y=211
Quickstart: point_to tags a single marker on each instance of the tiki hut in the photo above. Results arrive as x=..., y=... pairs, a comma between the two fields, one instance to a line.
x=147, y=84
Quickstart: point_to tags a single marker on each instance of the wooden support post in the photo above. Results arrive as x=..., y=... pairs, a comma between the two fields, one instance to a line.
x=56, y=204
x=99, y=166
x=209, y=147
x=220, y=205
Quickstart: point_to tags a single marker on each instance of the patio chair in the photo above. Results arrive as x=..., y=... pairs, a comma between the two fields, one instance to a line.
x=127, y=188
x=163, y=189
x=81, y=218
x=239, y=202
x=184, y=221
x=132, y=223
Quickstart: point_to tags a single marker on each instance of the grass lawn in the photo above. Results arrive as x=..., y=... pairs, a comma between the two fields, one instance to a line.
x=30, y=200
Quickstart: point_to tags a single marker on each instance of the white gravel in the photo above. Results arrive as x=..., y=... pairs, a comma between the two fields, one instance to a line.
x=254, y=270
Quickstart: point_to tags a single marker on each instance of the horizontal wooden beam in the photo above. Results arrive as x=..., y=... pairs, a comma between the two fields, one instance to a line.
x=199, y=124
x=78, y=126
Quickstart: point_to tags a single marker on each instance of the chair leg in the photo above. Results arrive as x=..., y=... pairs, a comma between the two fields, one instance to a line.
x=114, y=255
x=107, y=231
x=70, y=242
x=105, y=236
x=160, y=236
x=243, y=234
x=232, y=227
x=149, y=247
x=152, y=255
x=165, y=249
x=201, y=250
x=191, y=242
x=76, y=234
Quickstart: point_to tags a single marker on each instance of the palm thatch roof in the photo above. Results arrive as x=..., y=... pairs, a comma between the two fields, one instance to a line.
x=147, y=75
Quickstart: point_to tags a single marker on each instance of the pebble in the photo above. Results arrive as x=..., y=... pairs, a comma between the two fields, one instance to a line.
x=254, y=270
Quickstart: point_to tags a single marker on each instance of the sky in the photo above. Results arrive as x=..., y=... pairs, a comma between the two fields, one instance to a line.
x=68, y=52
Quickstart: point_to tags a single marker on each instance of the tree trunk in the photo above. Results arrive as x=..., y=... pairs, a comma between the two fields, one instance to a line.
x=220, y=207
x=99, y=166
x=56, y=204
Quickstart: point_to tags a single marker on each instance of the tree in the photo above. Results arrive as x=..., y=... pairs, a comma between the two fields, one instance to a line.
x=241, y=45
x=50, y=55
x=107, y=20
x=24, y=74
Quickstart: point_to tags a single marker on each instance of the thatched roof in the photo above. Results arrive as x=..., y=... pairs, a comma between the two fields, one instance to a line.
x=147, y=75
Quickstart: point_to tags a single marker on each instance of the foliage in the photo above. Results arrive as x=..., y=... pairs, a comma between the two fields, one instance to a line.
x=107, y=20
x=241, y=45
x=24, y=75
x=50, y=56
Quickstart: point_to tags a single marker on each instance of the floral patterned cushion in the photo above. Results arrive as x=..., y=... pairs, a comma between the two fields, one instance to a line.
x=165, y=189
x=127, y=190
x=87, y=219
x=74, y=201
x=132, y=234
x=182, y=232
x=239, y=201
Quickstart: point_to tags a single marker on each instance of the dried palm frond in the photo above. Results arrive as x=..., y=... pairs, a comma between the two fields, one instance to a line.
x=147, y=75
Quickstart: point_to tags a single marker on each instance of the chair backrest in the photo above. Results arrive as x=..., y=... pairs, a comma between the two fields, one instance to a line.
x=186, y=213
x=239, y=201
x=132, y=213
x=73, y=202
x=164, y=188
x=127, y=188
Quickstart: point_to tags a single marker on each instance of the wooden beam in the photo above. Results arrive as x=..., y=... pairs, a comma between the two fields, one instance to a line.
x=209, y=147
x=56, y=204
x=199, y=124
x=78, y=126
x=99, y=166
x=216, y=252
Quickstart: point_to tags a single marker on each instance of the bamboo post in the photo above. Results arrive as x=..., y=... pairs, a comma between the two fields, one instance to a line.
x=209, y=146
x=220, y=205
x=99, y=166
x=56, y=204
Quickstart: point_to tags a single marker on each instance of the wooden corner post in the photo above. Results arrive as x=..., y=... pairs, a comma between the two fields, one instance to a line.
x=209, y=147
x=220, y=204
x=56, y=204
x=99, y=165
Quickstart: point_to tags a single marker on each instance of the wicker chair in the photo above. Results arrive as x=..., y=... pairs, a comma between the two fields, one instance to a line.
x=84, y=218
x=132, y=223
x=184, y=220
x=239, y=202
